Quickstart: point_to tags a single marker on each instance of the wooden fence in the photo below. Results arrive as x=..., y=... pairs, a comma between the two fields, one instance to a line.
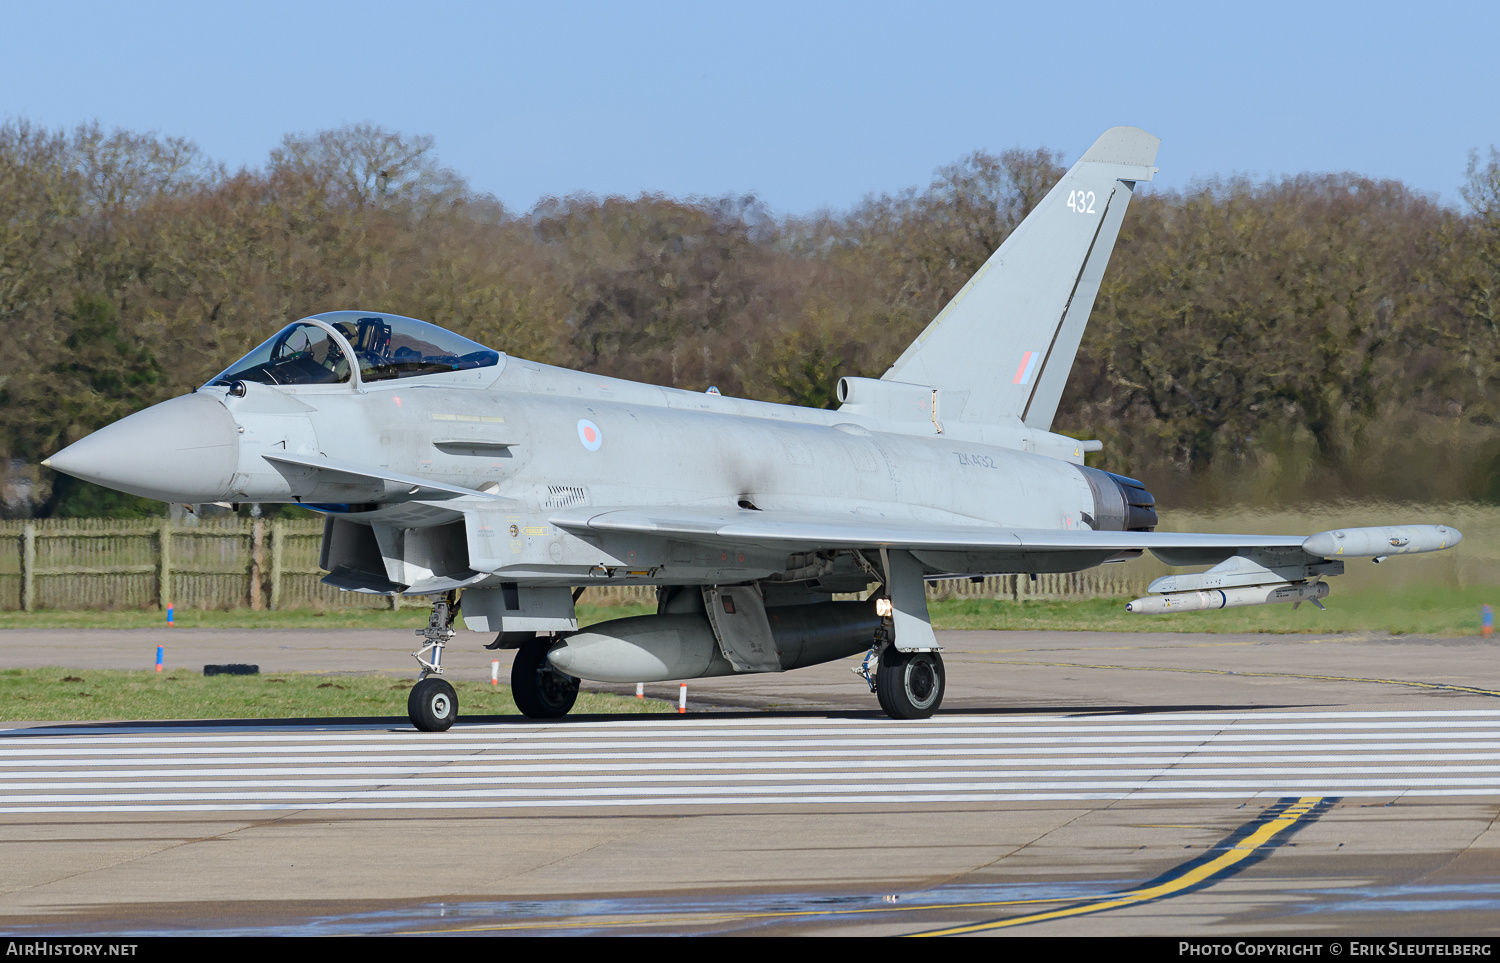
x=214, y=564
x=229, y=563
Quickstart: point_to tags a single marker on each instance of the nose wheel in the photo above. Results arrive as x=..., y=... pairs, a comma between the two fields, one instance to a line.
x=432, y=705
x=909, y=685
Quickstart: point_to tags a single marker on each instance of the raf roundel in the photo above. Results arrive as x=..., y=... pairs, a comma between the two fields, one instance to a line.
x=589, y=434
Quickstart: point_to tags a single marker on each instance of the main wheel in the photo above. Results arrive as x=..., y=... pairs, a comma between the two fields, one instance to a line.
x=541, y=691
x=909, y=684
x=432, y=705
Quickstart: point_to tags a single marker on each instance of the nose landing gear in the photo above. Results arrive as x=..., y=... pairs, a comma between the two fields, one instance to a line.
x=432, y=705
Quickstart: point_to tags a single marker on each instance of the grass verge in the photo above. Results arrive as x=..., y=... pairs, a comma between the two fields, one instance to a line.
x=57, y=695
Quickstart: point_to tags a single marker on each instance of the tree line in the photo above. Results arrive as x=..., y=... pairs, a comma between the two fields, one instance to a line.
x=1299, y=338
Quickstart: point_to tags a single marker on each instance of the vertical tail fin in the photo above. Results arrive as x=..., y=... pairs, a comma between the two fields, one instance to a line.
x=1005, y=343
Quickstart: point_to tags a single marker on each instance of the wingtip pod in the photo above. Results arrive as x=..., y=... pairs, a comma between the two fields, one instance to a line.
x=1127, y=147
x=1381, y=541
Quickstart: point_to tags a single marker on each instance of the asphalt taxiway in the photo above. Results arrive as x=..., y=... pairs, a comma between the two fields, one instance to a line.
x=1082, y=783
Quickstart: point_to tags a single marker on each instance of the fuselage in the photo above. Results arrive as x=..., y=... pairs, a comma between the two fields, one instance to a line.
x=536, y=440
x=522, y=435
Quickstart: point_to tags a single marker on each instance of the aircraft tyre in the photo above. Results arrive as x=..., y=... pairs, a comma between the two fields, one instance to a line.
x=540, y=689
x=432, y=705
x=910, y=685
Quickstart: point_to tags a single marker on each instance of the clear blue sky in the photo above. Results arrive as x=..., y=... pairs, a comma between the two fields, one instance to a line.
x=806, y=104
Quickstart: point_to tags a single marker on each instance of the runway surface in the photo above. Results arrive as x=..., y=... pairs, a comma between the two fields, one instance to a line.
x=702, y=761
x=1081, y=784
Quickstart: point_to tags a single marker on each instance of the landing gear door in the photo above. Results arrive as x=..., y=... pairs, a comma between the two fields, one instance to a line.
x=738, y=616
x=908, y=589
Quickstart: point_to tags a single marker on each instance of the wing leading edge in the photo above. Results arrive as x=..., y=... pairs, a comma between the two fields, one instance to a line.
x=803, y=532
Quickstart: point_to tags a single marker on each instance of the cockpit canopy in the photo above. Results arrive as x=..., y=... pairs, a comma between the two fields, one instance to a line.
x=385, y=346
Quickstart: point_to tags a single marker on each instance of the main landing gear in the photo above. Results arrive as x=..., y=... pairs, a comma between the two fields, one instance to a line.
x=432, y=704
x=541, y=691
x=909, y=685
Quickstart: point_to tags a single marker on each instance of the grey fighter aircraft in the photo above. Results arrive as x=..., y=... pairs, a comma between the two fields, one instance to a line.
x=447, y=469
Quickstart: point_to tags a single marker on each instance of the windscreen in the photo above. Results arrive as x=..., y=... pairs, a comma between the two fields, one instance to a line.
x=298, y=354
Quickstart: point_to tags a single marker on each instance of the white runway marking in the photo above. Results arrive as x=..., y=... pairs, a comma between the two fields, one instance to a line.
x=705, y=761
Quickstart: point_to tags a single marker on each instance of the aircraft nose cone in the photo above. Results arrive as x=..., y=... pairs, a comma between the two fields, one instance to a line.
x=183, y=450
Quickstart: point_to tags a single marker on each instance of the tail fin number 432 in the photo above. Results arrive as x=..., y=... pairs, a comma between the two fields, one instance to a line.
x=1081, y=202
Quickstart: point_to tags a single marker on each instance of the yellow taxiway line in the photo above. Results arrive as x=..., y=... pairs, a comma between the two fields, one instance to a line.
x=1193, y=876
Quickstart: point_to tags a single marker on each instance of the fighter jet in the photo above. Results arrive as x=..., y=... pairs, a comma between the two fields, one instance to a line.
x=502, y=488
